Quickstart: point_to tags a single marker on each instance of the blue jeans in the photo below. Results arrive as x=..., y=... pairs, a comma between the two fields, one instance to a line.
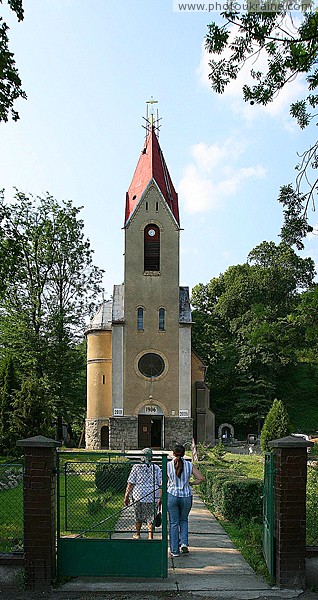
x=178, y=509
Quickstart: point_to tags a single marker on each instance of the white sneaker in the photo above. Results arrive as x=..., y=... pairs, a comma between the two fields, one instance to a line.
x=174, y=555
x=184, y=549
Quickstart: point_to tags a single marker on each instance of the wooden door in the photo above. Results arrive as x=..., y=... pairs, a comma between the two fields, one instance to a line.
x=144, y=431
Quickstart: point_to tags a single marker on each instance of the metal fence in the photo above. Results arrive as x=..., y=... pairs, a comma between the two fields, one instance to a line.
x=92, y=498
x=11, y=508
x=312, y=503
x=107, y=501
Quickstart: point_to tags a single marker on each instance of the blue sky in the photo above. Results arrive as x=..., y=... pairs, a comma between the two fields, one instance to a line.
x=88, y=69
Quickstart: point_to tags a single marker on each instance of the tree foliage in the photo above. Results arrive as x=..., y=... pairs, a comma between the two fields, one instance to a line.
x=8, y=387
x=32, y=411
x=290, y=50
x=10, y=82
x=248, y=327
x=276, y=425
x=49, y=288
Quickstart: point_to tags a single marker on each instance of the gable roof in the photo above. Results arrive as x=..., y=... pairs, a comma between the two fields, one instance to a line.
x=151, y=165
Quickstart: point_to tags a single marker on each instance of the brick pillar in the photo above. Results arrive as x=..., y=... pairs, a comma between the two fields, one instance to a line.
x=39, y=511
x=290, y=476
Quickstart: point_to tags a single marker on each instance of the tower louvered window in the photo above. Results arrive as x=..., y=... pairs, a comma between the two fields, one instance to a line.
x=151, y=248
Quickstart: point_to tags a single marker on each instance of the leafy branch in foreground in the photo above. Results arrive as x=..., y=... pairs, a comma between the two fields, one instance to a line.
x=10, y=82
x=290, y=51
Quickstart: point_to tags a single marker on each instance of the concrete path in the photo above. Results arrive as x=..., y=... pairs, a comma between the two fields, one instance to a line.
x=213, y=567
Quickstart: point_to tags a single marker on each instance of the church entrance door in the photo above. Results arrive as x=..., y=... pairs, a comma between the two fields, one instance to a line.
x=150, y=431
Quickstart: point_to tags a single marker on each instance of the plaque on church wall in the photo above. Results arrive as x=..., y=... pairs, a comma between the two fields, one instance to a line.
x=118, y=412
x=150, y=409
x=183, y=413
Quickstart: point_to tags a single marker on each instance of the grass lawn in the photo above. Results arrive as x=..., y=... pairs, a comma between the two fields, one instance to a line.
x=85, y=510
x=312, y=506
x=92, y=494
x=11, y=507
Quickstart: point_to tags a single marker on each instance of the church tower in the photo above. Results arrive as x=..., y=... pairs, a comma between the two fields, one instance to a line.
x=154, y=398
x=151, y=314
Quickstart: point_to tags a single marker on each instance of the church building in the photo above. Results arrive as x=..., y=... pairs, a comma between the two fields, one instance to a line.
x=145, y=386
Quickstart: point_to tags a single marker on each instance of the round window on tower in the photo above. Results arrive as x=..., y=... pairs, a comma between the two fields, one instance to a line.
x=151, y=365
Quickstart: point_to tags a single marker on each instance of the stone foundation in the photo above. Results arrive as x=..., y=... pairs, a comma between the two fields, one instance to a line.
x=123, y=431
x=177, y=430
x=93, y=433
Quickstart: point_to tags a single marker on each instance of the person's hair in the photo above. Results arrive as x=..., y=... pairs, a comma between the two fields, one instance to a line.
x=178, y=452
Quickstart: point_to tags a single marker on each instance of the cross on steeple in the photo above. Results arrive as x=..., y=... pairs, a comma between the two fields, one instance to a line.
x=151, y=121
x=151, y=102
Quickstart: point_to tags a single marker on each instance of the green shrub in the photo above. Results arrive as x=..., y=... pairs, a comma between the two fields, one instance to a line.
x=209, y=471
x=240, y=498
x=202, y=451
x=112, y=477
x=219, y=450
x=276, y=424
x=314, y=449
x=232, y=496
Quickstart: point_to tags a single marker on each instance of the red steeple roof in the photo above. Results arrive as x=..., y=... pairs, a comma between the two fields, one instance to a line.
x=151, y=165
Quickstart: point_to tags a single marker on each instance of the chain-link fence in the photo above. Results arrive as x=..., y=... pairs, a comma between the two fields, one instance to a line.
x=11, y=508
x=115, y=498
x=312, y=504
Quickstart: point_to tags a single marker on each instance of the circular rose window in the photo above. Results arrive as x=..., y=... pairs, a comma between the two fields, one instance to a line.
x=151, y=365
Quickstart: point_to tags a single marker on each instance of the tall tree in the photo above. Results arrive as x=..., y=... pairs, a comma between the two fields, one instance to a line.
x=244, y=331
x=290, y=50
x=8, y=388
x=10, y=82
x=53, y=290
x=32, y=410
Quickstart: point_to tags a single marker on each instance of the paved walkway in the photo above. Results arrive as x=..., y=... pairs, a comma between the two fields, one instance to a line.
x=214, y=567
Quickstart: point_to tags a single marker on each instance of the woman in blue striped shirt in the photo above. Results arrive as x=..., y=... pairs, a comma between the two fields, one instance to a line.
x=180, y=499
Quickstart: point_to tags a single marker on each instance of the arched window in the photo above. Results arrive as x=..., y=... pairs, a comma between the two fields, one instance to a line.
x=140, y=319
x=151, y=248
x=162, y=319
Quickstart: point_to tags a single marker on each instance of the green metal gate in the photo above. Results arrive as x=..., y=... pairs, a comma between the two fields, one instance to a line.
x=94, y=526
x=268, y=513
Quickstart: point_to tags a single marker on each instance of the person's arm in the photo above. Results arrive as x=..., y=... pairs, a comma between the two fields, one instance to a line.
x=198, y=477
x=129, y=489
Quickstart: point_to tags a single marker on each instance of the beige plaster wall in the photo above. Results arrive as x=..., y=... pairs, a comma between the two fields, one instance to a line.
x=151, y=292
x=197, y=374
x=99, y=364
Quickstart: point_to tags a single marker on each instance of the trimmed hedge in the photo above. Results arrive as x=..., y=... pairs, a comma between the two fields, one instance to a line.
x=232, y=496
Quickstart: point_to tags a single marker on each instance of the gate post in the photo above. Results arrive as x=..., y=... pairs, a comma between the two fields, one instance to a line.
x=290, y=476
x=39, y=510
